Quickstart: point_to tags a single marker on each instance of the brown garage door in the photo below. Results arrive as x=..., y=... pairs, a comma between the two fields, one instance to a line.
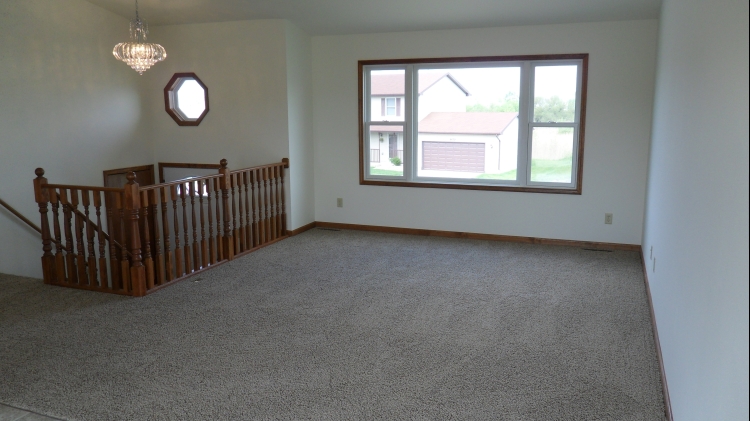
x=453, y=156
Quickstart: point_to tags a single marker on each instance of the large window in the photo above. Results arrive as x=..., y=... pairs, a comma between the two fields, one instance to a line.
x=490, y=123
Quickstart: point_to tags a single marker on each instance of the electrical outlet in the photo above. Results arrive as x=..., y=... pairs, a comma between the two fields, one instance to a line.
x=339, y=202
x=608, y=218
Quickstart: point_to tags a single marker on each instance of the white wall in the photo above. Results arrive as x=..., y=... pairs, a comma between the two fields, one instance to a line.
x=258, y=79
x=299, y=100
x=697, y=213
x=65, y=105
x=243, y=66
x=620, y=88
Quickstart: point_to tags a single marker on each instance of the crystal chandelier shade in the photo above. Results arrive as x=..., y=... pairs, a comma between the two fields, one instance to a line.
x=139, y=54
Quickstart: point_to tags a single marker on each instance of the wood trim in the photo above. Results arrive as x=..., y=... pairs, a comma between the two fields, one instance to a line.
x=163, y=165
x=479, y=236
x=169, y=99
x=128, y=170
x=186, y=276
x=473, y=59
x=21, y=217
x=302, y=229
x=486, y=187
x=659, y=357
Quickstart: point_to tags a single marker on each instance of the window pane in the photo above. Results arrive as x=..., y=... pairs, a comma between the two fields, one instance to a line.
x=555, y=94
x=468, y=122
x=387, y=150
x=191, y=99
x=387, y=92
x=552, y=154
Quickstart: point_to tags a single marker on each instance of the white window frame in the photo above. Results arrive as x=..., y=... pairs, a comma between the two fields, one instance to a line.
x=527, y=64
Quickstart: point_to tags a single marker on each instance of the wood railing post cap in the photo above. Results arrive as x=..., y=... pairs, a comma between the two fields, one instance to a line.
x=131, y=177
x=223, y=163
x=39, y=172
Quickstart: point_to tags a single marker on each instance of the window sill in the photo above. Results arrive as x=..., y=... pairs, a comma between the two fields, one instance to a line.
x=486, y=187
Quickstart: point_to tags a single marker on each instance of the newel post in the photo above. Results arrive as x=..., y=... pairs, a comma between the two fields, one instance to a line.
x=41, y=195
x=226, y=184
x=132, y=205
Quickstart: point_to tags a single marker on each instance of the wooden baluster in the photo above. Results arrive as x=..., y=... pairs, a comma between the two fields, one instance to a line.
x=277, y=188
x=276, y=207
x=92, y=274
x=266, y=188
x=272, y=222
x=226, y=184
x=248, y=222
x=219, y=224
x=177, y=249
x=67, y=225
x=80, y=249
x=168, y=260
x=239, y=233
x=235, y=226
x=196, y=247
x=261, y=210
x=103, y=279
x=59, y=258
x=123, y=240
x=148, y=262
x=137, y=270
x=114, y=261
x=41, y=195
x=204, y=243
x=254, y=223
x=186, y=249
x=211, y=239
x=153, y=201
x=283, y=197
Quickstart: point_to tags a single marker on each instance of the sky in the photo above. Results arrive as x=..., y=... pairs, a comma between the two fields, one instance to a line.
x=490, y=84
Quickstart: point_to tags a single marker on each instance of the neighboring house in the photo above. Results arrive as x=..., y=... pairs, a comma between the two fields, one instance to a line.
x=484, y=142
x=469, y=142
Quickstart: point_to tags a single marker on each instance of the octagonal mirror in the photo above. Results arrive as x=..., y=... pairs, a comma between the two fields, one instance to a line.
x=186, y=99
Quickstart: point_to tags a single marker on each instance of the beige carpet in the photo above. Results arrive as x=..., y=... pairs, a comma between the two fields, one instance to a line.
x=344, y=325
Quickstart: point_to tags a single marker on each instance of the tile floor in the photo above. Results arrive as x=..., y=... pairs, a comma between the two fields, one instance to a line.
x=9, y=413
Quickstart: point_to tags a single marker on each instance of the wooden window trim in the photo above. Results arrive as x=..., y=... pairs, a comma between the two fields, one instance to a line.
x=477, y=59
x=126, y=170
x=169, y=99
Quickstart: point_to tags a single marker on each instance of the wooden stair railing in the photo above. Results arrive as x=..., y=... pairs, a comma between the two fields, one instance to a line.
x=20, y=216
x=146, y=242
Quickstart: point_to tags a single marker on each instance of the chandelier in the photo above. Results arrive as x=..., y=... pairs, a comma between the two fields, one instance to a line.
x=139, y=54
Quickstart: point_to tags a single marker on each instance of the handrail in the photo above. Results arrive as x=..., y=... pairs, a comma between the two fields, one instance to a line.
x=166, y=231
x=163, y=165
x=284, y=162
x=104, y=233
x=90, y=188
x=181, y=181
x=21, y=217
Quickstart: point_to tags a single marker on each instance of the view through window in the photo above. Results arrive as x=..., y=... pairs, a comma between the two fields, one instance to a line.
x=500, y=123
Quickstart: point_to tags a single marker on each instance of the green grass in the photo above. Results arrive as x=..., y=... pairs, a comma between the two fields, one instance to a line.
x=547, y=170
x=508, y=175
x=542, y=170
x=378, y=171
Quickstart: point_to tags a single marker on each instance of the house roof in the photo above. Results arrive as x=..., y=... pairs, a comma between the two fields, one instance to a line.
x=458, y=123
x=466, y=123
x=393, y=84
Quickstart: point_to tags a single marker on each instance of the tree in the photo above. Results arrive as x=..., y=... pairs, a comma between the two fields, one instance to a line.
x=553, y=109
x=509, y=104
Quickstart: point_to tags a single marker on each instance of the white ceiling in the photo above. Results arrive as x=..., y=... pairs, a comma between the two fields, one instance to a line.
x=327, y=17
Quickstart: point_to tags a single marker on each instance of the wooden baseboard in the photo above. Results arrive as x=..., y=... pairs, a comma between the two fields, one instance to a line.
x=301, y=229
x=665, y=389
x=477, y=236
